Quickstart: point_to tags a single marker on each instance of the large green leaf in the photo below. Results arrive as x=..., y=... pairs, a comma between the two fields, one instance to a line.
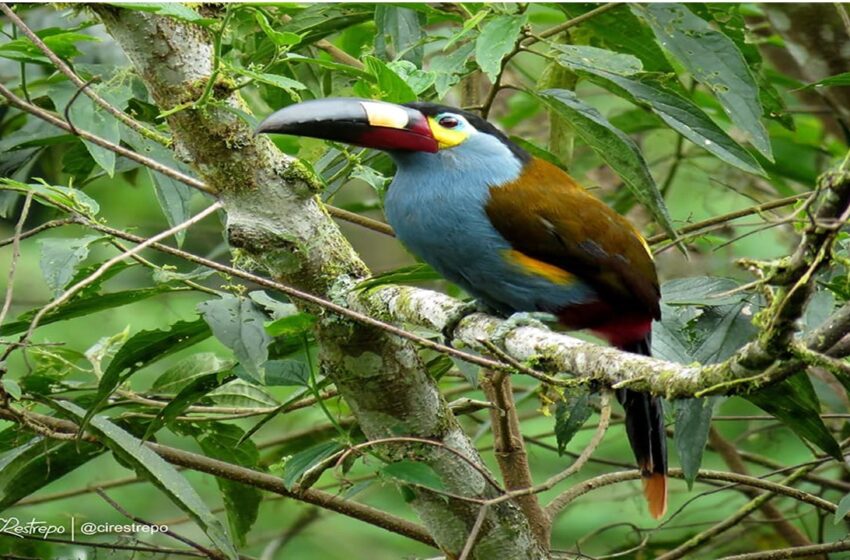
x=620, y=31
x=239, y=324
x=498, y=38
x=795, y=403
x=400, y=33
x=173, y=196
x=56, y=196
x=570, y=416
x=60, y=258
x=610, y=70
x=85, y=115
x=143, y=349
x=164, y=476
x=617, y=149
x=411, y=274
x=174, y=379
x=63, y=42
x=38, y=462
x=450, y=67
x=188, y=395
x=693, y=421
x=414, y=472
x=388, y=85
x=82, y=306
x=304, y=460
x=715, y=61
x=242, y=503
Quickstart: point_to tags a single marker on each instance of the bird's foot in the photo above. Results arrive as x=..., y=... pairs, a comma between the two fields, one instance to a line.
x=457, y=316
x=536, y=319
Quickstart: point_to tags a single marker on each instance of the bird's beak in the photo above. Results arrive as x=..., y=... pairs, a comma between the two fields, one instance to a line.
x=372, y=124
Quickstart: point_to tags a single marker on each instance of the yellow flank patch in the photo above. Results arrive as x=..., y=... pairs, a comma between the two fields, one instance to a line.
x=533, y=266
x=384, y=114
x=446, y=137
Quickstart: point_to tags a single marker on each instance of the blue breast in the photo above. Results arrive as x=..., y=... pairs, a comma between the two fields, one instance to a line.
x=436, y=204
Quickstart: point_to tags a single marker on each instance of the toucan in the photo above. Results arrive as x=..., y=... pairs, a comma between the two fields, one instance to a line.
x=513, y=230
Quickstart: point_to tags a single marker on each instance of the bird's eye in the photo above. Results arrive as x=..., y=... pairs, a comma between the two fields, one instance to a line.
x=449, y=122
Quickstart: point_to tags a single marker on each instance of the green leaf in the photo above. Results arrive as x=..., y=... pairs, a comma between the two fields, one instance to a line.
x=184, y=372
x=87, y=116
x=238, y=324
x=693, y=421
x=63, y=42
x=238, y=393
x=619, y=30
x=11, y=387
x=188, y=395
x=170, y=9
x=82, y=306
x=241, y=502
x=843, y=508
x=173, y=196
x=38, y=462
x=795, y=403
x=405, y=275
x=450, y=67
x=287, y=373
x=400, y=33
x=164, y=476
x=60, y=258
x=614, y=147
x=842, y=80
x=412, y=472
x=303, y=461
x=390, y=86
x=496, y=40
x=298, y=324
x=593, y=59
x=273, y=80
x=55, y=196
x=374, y=179
x=570, y=416
x=701, y=290
x=678, y=112
x=284, y=39
x=715, y=61
x=143, y=349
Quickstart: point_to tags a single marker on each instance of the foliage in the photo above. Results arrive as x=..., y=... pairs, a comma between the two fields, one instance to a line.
x=683, y=102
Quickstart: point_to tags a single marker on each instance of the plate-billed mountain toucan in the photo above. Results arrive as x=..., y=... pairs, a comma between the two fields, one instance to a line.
x=513, y=230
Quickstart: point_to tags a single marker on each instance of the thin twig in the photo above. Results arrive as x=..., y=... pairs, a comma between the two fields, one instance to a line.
x=81, y=85
x=796, y=552
x=16, y=253
x=310, y=298
x=91, y=278
x=38, y=229
x=473, y=534
x=214, y=554
x=67, y=430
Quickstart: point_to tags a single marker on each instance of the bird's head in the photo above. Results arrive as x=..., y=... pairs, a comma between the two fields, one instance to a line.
x=397, y=129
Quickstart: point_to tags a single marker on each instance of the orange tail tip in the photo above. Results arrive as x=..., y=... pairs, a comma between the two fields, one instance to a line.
x=655, y=491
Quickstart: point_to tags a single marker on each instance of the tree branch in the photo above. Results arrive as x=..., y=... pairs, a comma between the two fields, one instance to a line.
x=242, y=475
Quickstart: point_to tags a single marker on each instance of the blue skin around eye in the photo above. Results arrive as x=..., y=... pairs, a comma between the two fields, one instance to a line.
x=436, y=204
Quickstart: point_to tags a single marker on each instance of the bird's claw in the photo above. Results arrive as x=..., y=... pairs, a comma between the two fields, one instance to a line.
x=523, y=319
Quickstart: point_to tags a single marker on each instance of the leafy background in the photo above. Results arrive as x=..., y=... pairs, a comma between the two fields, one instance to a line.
x=680, y=102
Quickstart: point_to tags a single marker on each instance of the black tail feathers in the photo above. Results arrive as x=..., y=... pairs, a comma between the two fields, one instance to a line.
x=645, y=429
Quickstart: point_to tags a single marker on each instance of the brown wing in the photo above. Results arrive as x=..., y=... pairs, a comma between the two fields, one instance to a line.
x=547, y=216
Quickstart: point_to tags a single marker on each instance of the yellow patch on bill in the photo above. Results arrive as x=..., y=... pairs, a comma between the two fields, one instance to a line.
x=533, y=266
x=446, y=137
x=384, y=114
